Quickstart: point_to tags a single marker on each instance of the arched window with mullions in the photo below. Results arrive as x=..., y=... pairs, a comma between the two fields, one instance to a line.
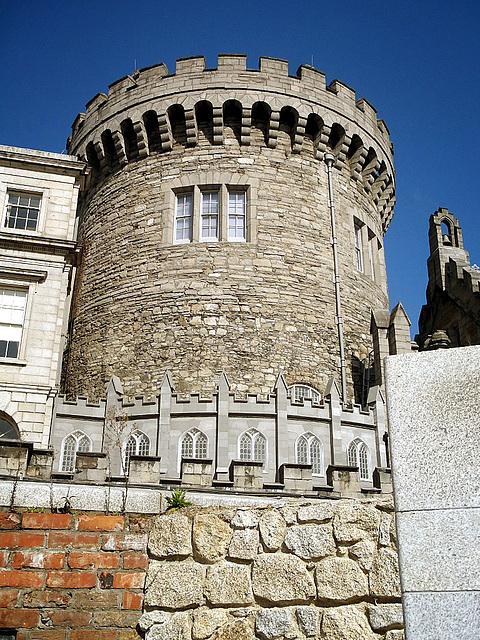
x=299, y=392
x=138, y=444
x=358, y=456
x=309, y=450
x=252, y=445
x=193, y=444
x=74, y=442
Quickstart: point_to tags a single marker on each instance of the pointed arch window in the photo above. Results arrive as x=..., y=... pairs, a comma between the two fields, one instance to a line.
x=138, y=444
x=252, y=445
x=74, y=442
x=358, y=456
x=194, y=444
x=309, y=450
x=300, y=391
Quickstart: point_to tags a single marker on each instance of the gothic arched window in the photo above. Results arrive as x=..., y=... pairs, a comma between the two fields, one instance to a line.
x=252, y=445
x=138, y=444
x=357, y=455
x=76, y=441
x=309, y=450
x=194, y=444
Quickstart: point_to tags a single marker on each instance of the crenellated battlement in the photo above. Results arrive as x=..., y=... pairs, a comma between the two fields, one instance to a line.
x=152, y=111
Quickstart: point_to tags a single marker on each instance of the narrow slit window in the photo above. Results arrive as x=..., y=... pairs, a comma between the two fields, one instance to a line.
x=358, y=248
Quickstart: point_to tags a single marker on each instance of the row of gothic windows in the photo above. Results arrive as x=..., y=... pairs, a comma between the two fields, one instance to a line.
x=252, y=445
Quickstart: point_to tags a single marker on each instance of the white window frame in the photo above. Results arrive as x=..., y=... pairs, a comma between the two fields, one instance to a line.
x=299, y=392
x=236, y=214
x=78, y=435
x=195, y=434
x=309, y=438
x=354, y=450
x=206, y=197
x=253, y=434
x=19, y=326
x=358, y=236
x=137, y=435
x=182, y=197
x=25, y=189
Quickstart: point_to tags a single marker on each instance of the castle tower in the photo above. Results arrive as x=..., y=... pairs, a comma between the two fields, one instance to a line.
x=206, y=229
x=453, y=290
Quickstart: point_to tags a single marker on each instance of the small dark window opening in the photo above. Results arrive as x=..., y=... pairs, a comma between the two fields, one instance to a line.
x=109, y=150
x=176, y=116
x=150, y=120
x=355, y=145
x=232, y=117
x=288, y=121
x=204, y=118
x=261, y=118
x=93, y=160
x=336, y=136
x=130, y=138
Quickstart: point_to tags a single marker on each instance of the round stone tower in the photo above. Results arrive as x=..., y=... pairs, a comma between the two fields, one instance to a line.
x=206, y=229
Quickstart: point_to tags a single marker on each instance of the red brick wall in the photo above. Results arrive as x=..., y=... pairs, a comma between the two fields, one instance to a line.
x=72, y=576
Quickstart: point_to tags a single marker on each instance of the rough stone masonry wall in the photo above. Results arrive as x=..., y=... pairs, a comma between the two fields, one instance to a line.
x=301, y=570
x=252, y=309
x=72, y=577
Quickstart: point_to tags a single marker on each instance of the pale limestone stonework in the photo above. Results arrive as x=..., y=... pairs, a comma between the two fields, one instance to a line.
x=40, y=262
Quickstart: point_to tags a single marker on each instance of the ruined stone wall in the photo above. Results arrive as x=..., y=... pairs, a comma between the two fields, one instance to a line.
x=300, y=570
x=253, y=309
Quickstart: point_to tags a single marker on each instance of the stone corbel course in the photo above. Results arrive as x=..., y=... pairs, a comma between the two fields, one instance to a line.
x=300, y=570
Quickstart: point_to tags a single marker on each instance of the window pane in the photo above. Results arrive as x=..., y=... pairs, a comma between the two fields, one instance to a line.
x=236, y=214
x=143, y=445
x=210, y=214
x=363, y=461
x=183, y=212
x=259, y=447
x=187, y=446
x=352, y=455
x=22, y=211
x=201, y=446
x=130, y=450
x=302, y=451
x=69, y=450
x=316, y=455
x=245, y=447
x=12, y=313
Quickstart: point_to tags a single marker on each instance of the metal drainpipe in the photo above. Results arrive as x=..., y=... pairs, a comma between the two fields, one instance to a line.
x=329, y=160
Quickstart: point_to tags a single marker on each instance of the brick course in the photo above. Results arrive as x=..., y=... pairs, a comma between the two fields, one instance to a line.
x=81, y=576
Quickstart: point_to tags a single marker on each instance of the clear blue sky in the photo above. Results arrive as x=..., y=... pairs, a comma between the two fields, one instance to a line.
x=417, y=61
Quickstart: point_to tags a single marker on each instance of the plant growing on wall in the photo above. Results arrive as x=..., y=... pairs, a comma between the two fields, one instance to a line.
x=177, y=500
